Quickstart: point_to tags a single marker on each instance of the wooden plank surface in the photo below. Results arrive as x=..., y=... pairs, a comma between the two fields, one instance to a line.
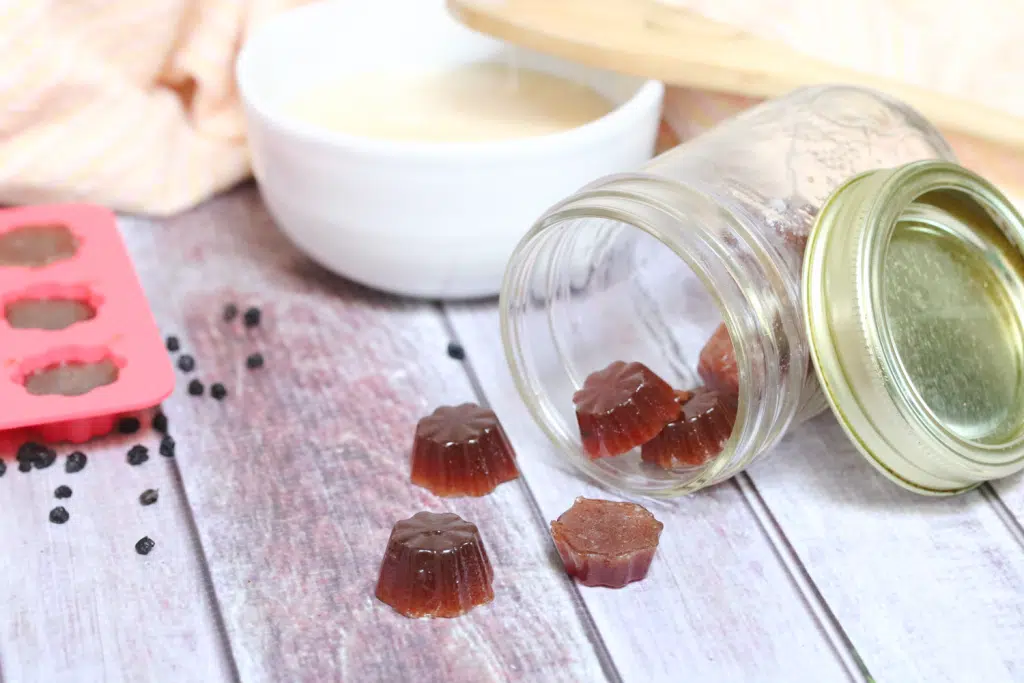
x=797, y=571
x=925, y=590
x=719, y=603
x=296, y=479
x=78, y=604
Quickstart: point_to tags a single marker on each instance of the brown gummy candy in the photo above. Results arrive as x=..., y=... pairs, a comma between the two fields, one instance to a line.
x=435, y=565
x=47, y=314
x=603, y=543
x=717, y=363
x=71, y=379
x=34, y=246
x=462, y=451
x=699, y=434
x=621, y=407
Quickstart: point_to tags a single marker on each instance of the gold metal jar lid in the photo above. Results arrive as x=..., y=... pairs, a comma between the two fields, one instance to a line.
x=913, y=290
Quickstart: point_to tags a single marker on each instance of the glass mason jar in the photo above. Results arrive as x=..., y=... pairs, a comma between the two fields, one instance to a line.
x=910, y=308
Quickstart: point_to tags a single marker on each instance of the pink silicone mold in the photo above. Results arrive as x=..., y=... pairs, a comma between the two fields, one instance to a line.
x=119, y=346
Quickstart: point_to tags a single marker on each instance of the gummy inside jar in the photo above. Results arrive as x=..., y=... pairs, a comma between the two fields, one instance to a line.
x=47, y=314
x=603, y=293
x=35, y=246
x=71, y=379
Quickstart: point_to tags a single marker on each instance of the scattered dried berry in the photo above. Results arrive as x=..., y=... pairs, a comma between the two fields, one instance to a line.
x=138, y=454
x=29, y=451
x=697, y=435
x=717, y=363
x=173, y=344
x=456, y=351
x=196, y=388
x=218, y=391
x=167, y=446
x=25, y=466
x=461, y=451
x=603, y=543
x=621, y=407
x=186, y=363
x=75, y=462
x=59, y=515
x=45, y=458
x=144, y=545
x=160, y=422
x=148, y=497
x=252, y=317
x=3, y=468
x=230, y=312
x=62, y=492
x=254, y=361
x=128, y=425
x=435, y=565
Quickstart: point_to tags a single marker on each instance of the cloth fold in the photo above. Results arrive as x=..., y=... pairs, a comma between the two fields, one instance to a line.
x=126, y=103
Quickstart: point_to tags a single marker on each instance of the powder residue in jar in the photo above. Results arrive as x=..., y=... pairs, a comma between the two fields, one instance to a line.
x=471, y=102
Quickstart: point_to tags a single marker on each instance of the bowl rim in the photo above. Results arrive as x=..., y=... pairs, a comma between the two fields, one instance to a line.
x=646, y=97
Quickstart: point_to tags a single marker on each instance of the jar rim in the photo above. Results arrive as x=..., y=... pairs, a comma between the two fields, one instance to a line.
x=868, y=339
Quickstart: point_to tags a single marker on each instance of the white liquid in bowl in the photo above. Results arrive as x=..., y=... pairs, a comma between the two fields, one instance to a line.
x=474, y=102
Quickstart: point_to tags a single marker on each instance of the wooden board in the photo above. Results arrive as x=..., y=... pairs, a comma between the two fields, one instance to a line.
x=809, y=568
x=894, y=566
x=296, y=479
x=78, y=604
x=883, y=570
x=656, y=40
x=721, y=603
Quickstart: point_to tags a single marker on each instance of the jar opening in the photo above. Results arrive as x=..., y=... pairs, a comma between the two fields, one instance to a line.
x=605, y=279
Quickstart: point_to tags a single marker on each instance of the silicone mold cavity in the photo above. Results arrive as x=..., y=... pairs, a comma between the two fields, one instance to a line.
x=50, y=307
x=43, y=375
x=78, y=257
x=36, y=245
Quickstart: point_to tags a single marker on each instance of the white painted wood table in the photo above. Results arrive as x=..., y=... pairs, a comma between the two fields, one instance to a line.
x=273, y=517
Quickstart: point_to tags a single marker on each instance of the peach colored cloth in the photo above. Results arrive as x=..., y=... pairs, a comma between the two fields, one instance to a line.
x=127, y=103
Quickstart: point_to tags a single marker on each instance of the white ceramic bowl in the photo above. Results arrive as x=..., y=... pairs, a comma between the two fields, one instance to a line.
x=425, y=219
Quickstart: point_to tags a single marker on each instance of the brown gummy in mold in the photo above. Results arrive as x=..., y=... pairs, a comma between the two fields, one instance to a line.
x=700, y=433
x=621, y=407
x=71, y=378
x=35, y=246
x=47, y=314
x=717, y=362
x=435, y=565
x=461, y=451
x=604, y=543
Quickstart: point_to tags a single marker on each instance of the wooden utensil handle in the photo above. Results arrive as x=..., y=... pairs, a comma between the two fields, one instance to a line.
x=654, y=40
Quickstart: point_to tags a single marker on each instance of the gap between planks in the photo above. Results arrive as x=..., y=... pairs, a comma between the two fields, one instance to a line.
x=1003, y=511
x=204, y=568
x=827, y=621
x=604, y=656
